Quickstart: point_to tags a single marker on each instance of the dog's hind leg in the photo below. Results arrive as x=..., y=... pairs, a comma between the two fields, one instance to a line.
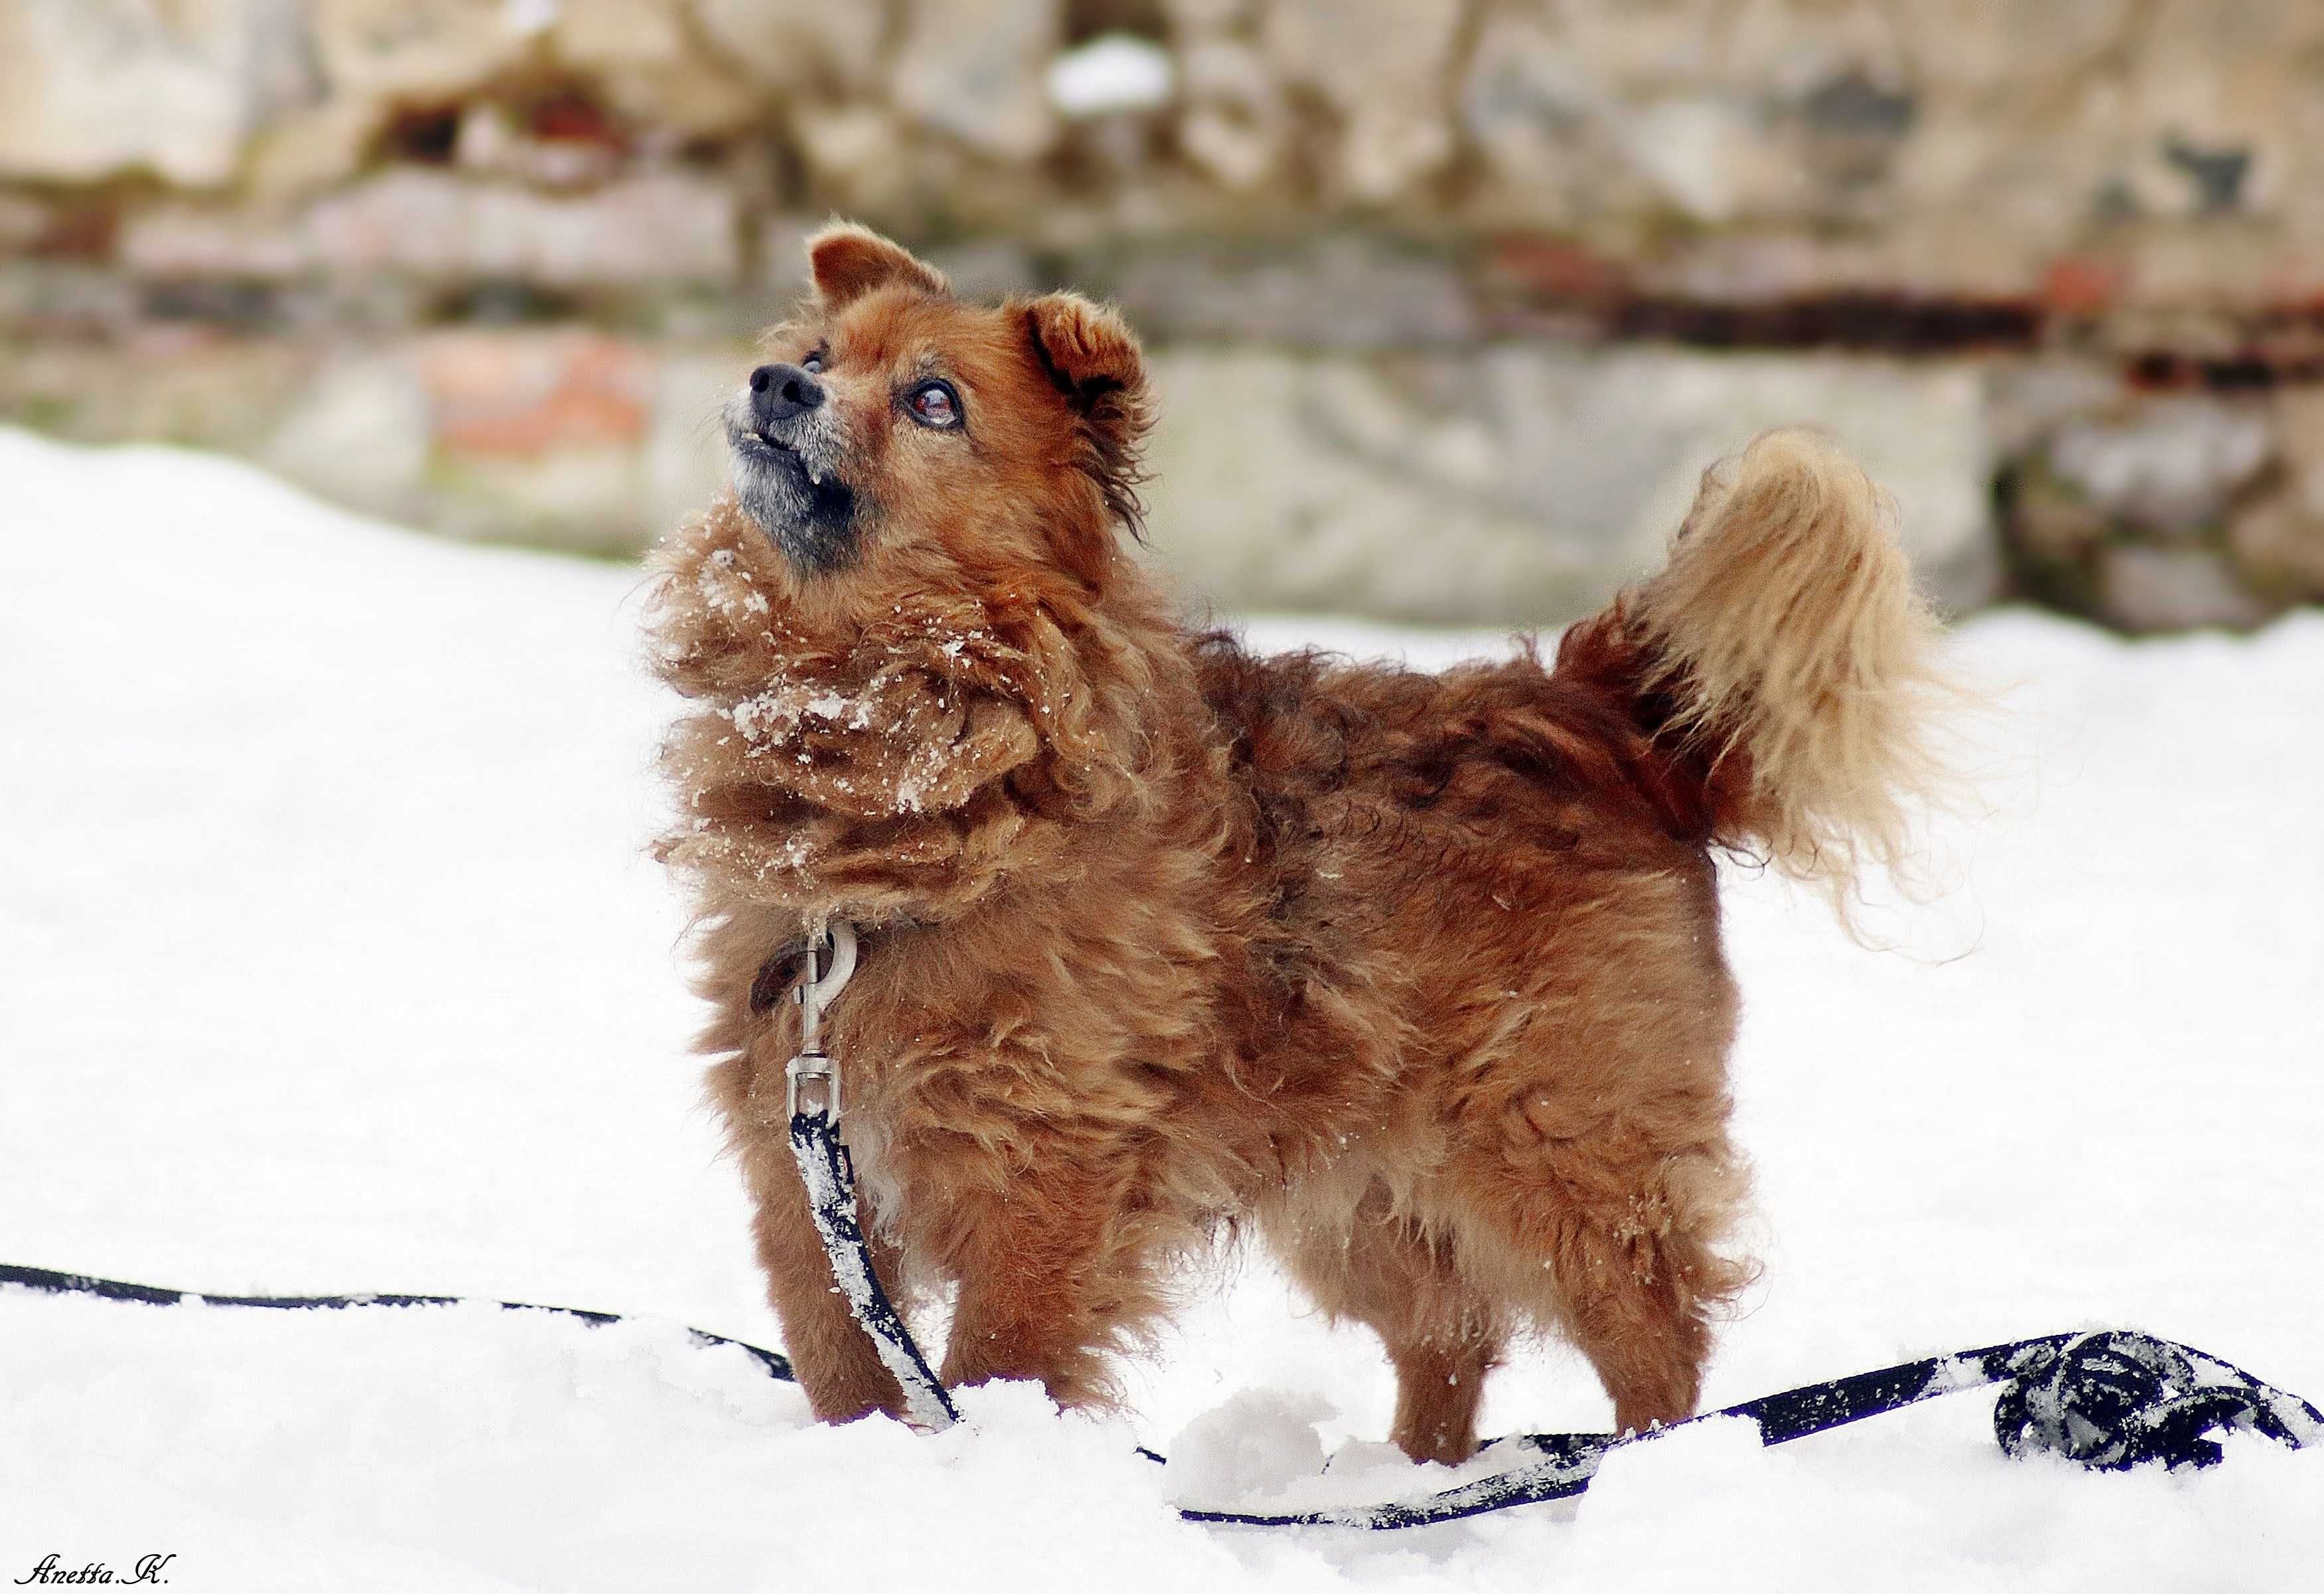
x=1587, y=1157
x=1405, y=1284
x=1614, y=1239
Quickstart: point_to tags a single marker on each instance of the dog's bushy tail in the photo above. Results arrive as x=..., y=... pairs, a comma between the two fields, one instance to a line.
x=1786, y=666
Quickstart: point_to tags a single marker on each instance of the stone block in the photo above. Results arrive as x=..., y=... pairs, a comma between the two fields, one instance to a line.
x=2278, y=537
x=1236, y=126
x=525, y=394
x=2143, y=590
x=1708, y=157
x=658, y=227
x=643, y=57
x=2223, y=106
x=181, y=238
x=1345, y=291
x=381, y=52
x=1629, y=45
x=91, y=88
x=565, y=439
x=826, y=50
x=862, y=155
x=1533, y=111
x=2164, y=466
x=2278, y=545
x=973, y=70
x=1984, y=52
x=359, y=433
x=685, y=459
x=23, y=222
x=1383, y=65
x=1521, y=484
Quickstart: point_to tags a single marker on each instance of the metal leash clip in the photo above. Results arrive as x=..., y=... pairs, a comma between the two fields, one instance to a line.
x=813, y=1065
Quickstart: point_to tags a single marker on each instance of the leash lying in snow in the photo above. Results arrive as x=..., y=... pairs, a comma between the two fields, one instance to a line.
x=110, y=1289
x=2110, y=1400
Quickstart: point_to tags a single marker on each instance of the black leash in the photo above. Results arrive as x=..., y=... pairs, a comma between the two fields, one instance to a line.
x=2108, y=1400
x=830, y=1179
x=111, y=1289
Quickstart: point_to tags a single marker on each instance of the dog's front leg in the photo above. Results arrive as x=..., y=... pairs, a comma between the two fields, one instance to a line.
x=1049, y=1277
x=836, y=1363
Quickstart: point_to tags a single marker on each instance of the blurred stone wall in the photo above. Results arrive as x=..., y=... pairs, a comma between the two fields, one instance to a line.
x=1449, y=300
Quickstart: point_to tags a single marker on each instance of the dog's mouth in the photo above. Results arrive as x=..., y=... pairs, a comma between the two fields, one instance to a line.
x=799, y=500
x=766, y=445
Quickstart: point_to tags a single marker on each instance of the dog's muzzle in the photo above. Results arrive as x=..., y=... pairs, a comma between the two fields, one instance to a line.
x=785, y=445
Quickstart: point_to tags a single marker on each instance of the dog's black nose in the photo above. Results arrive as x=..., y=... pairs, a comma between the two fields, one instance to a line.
x=778, y=393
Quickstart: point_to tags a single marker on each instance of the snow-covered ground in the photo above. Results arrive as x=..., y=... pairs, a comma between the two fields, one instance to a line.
x=330, y=960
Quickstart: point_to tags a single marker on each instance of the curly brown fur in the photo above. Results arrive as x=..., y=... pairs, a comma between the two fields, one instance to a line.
x=1420, y=972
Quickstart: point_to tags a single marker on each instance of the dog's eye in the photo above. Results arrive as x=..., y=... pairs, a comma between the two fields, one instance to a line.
x=934, y=404
x=813, y=362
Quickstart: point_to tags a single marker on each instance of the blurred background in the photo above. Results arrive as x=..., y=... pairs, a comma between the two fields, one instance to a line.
x=1449, y=301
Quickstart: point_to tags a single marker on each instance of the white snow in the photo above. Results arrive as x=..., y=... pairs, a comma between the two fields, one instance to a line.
x=330, y=960
x=1112, y=73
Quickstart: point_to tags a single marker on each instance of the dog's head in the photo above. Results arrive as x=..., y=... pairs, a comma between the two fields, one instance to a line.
x=893, y=422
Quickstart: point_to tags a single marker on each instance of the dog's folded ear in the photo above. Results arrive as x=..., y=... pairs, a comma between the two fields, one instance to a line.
x=848, y=261
x=1087, y=349
x=1091, y=356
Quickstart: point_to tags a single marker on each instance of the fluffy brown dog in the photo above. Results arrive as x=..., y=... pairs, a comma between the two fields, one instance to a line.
x=1420, y=972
